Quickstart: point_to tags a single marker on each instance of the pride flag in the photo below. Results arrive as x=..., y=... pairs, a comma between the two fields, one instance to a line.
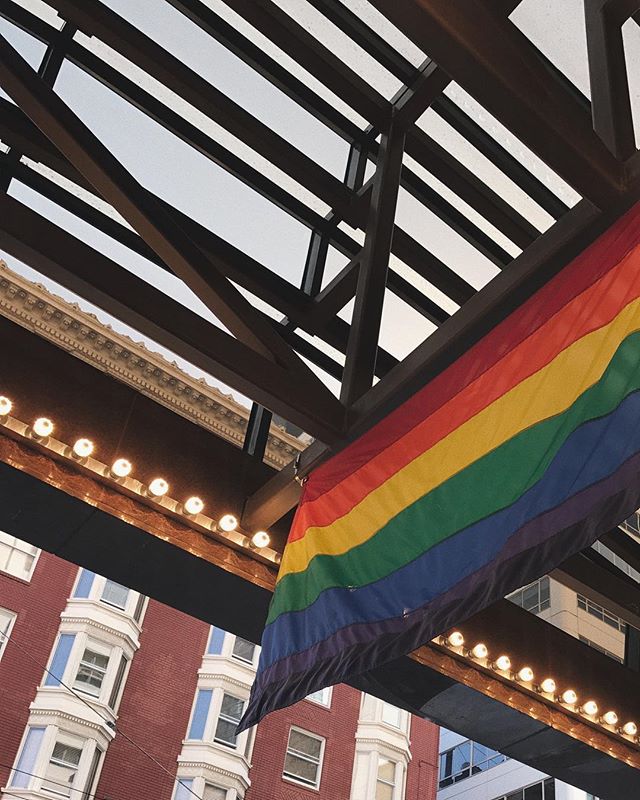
x=514, y=458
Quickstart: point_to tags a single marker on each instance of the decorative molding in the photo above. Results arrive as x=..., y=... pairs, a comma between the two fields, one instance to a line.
x=80, y=333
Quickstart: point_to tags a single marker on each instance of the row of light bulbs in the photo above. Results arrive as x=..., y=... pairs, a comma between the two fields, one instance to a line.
x=42, y=428
x=547, y=687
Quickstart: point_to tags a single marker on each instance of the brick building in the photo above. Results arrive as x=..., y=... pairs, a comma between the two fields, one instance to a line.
x=168, y=683
x=93, y=674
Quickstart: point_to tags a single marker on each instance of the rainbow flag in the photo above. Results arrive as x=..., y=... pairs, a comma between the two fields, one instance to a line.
x=514, y=458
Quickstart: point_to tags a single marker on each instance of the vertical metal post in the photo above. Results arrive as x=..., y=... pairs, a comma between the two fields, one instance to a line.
x=372, y=277
x=315, y=263
x=610, y=99
x=632, y=649
x=257, y=434
x=48, y=70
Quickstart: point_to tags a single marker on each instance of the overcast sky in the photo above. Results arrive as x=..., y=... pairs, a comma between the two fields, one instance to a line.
x=175, y=172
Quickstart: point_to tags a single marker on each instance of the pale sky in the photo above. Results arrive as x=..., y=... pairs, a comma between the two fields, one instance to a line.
x=174, y=171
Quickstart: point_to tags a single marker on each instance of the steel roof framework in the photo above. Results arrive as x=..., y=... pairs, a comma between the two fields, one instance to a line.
x=589, y=145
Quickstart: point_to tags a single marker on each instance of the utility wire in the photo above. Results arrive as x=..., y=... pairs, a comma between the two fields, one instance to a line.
x=108, y=722
x=49, y=780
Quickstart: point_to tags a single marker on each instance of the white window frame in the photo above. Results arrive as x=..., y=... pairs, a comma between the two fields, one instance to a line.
x=100, y=649
x=402, y=717
x=239, y=743
x=393, y=785
x=97, y=590
x=300, y=781
x=35, y=555
x=127, y=602
x=325, y=698
x=4, y=639
x=240, y=658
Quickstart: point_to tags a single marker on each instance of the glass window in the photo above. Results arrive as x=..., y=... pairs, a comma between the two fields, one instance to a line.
x=230, y=714
x=6, y=623
x=303, y=761
x=216, y=641
x=243, y=650
x=535, y=597
x=466, y=759
x=62, y=769
x=533, y=792
x=544, y=790
x=322, y=696
x=21, y=775
x=392, y=715
x=200, y=714
x=214, y=792
x=601, y=613
x=386, y=781
x=91, y=672
x=18, y=558
x=115, y=595
x=183, y=789
x=597, y=647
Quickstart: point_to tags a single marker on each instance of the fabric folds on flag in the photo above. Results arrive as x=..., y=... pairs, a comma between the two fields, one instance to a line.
x=514, y=458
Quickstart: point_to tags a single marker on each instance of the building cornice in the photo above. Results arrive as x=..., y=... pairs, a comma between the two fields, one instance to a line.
x=80, y=333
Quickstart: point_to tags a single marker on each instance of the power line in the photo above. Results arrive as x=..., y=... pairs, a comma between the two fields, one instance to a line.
x=50, y=780
x=108, y=722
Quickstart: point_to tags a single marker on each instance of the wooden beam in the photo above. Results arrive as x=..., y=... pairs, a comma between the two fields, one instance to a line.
x=372, y=275
x=490, y=58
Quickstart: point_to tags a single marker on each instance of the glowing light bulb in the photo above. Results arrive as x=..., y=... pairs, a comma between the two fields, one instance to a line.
x=548, y=686
x=5, y=406
x=260, y=539
x=83, y=448
x=228, y=523
x=590, y=708
x=193, y=506
x=43, y=427
x=526, y=674
x=630, y=729
x=158, y=487
x=569, y=697
x=455, y=639
x=503, y=663
x=121, y=468
x=480, y=651
x=610, y=718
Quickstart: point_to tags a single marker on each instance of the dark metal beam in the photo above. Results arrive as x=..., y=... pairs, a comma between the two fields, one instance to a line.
x=372, y=275
x=495, y=63
x=71, y=263
x=610, y=100
x=307, y=50
x=552, y=251
x=624, y=546
x=72, y=138
x=420, y=94
x=268, y=67
x=94, y=18
x=17, y=130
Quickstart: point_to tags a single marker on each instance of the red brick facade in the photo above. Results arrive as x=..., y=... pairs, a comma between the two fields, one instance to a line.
x=336, y=724
x=157, y=701
x=38, y=605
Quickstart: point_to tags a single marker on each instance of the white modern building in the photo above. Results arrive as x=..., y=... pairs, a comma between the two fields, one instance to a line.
x=471, y=771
